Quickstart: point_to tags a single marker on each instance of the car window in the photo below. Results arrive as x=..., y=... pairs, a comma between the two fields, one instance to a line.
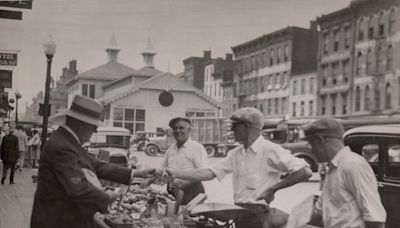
x=371, y=152
x=392, y=170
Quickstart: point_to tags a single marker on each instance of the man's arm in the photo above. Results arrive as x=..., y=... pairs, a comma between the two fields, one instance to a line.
x=293, y=178
x=202, y=174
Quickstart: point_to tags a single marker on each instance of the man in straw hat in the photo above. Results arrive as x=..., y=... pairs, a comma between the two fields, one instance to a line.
x=256, y=168
x=68, y=193
x=350, y=195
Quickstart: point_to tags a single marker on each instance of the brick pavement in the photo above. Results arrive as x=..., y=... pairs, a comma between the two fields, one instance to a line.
x=16, y=200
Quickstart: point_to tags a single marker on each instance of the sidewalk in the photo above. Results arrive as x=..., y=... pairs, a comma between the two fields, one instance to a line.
x=16, y=200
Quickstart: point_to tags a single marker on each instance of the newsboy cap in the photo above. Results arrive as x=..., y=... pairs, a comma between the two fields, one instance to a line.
x=325, y=127
x=250, y=116
x=174, y=120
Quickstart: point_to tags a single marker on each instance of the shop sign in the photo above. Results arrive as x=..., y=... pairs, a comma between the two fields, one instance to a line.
x=8, y=59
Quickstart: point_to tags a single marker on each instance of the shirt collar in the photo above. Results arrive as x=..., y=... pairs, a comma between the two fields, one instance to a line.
x=256, y=146
x=339, y=157
x=184, y=145
x=71, y=132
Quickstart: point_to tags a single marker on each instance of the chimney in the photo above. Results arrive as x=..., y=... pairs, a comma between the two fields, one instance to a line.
x=313, y=25
x=228, y=57
x=72, y=65
x=207, y=55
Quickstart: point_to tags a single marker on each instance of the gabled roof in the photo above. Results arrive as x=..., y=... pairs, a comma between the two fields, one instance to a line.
x=163, y=81
x=143, y=72
x=109, y=71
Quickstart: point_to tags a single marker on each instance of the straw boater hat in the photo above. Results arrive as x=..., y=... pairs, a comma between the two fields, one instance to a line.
x=84, y=109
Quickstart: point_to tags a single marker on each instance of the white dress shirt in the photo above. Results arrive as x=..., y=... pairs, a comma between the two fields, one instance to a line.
x=191, y=155
x=256, y=169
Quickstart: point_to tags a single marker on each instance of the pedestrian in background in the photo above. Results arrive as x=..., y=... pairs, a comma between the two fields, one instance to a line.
x=9, y=155
x=23, y=145
x=35, y=144
x=350, y=195
x=185, y=154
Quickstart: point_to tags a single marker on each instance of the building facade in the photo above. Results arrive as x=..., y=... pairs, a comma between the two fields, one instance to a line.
x=303, y=95
x=194, y=69
x=264, y=67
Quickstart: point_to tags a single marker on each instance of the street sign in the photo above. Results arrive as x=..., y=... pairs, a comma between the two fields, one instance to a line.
x=8, y=14
x=5, y=78
x=24, y=4
x=8, y=59
x=41, y=109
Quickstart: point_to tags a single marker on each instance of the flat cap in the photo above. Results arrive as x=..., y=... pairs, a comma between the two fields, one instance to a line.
x=174, y=120
x=326, y=127
x=250, y=116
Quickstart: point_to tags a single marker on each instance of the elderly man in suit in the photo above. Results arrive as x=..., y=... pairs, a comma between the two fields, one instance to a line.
x=67, y=194
x=9, y=155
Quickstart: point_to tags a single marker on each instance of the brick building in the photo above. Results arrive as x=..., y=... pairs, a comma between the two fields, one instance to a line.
x=194, y=69
x=264, y=68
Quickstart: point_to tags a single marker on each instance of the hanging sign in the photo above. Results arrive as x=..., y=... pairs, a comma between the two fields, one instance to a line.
x=5, y=78
x=8, y=59
x=166, y=98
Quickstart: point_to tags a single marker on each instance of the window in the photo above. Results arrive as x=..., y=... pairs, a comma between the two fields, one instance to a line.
x=92, y=91
x=367, y=104
x=324, y=75
x=346, y=70
x=303, y=86
x=279, y=55
x=347, y=39
x=344, y=100
x=85, y=90
x=358, y=99
x=371, y=28
x=269, y=106
x=369, y=61
x=359, y=64
x=286, y=53
x=388, y=96
x=118, y=114
x=283, y=107
x=392, y=170
x=271, y=57
x=276, y=106
x=311, y=85
x=335, y=72
x=380, y=68
x=361, y=30
x=326, y=43
x=323, y=105
x=370, y=152
x=294, y=87
x=389, y=59
x=302, y=108
x=336, y=42
x=262, y=108
x=261, y=82
x=381, y=30
x=311, y=108
x=391, y=21
x=333, y=98
x=294, y=109
x=129, y=114
x=377, y=97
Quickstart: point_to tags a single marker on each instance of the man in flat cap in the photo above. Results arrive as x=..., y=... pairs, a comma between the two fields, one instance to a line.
x=350, y=195
x=68, y=193
x=256, y=168
x=185, y=154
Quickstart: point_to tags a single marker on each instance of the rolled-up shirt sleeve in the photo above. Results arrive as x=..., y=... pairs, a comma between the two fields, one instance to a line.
x=282, y=160
x=223, y=167
x=201, y=158
x=362, y=183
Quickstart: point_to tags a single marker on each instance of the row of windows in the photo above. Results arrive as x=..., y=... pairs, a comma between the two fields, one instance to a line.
x=213, y=89
x=302, y=106
x=333, y=70
x=266, y=58
x=368, y=102
x=334, y=104
x=88, y=90
x=303, y=86
x=376, y=26
x=131, y=119
x=337, y=40
x=376, y=61
x=263, y=83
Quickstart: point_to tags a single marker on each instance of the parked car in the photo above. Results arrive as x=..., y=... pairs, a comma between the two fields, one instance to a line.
x=114, y=140
x=380, y=145
x=159, y=144
x=140, y=137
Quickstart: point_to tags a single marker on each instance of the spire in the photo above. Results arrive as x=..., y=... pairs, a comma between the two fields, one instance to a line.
x=112, y=50
x=149, y=53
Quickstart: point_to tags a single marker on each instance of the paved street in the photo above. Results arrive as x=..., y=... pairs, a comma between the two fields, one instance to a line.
x=16, y=200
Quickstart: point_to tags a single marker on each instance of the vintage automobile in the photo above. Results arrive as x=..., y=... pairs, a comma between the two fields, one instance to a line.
x=159, y=144
x=114, y=140
x=380, y=145
x=140, y=137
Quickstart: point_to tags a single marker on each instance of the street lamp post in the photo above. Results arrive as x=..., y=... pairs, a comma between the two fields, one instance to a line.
x=49, y=49
x=17, y=97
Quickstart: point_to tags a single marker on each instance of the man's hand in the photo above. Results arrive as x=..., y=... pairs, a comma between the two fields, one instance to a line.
x=112, y=195
x=268, y=195
x=145, y=173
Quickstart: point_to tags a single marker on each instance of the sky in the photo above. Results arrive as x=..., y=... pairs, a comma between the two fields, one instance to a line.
x=82, y=30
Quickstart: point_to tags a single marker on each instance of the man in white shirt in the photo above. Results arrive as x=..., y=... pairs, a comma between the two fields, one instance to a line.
x=350, y=195
x=185, y=154
x=257, y=166
x=23, y=145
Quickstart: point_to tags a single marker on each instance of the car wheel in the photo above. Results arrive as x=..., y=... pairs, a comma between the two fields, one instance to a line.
x=311, y=163
x=141, y=146
x=210, y=149
x=152, y=150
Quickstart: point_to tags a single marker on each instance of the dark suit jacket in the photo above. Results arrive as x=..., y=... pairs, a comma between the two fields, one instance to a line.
x=64, y=197
x=9, y=148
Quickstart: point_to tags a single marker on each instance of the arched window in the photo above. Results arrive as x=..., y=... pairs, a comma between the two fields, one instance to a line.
x=380, y=67
x=389, y=58
x=381, y=28
x=377, y=97
x=371, y=27
x=361, y=29
x=358, y=99
x=359, y=64
x=388, y=96
x=367, y=99
x=369, y=61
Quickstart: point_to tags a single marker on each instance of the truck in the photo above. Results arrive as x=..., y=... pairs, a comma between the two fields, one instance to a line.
x=211, y=132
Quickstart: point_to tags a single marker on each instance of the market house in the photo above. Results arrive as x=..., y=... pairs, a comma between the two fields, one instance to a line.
x=150, y=104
